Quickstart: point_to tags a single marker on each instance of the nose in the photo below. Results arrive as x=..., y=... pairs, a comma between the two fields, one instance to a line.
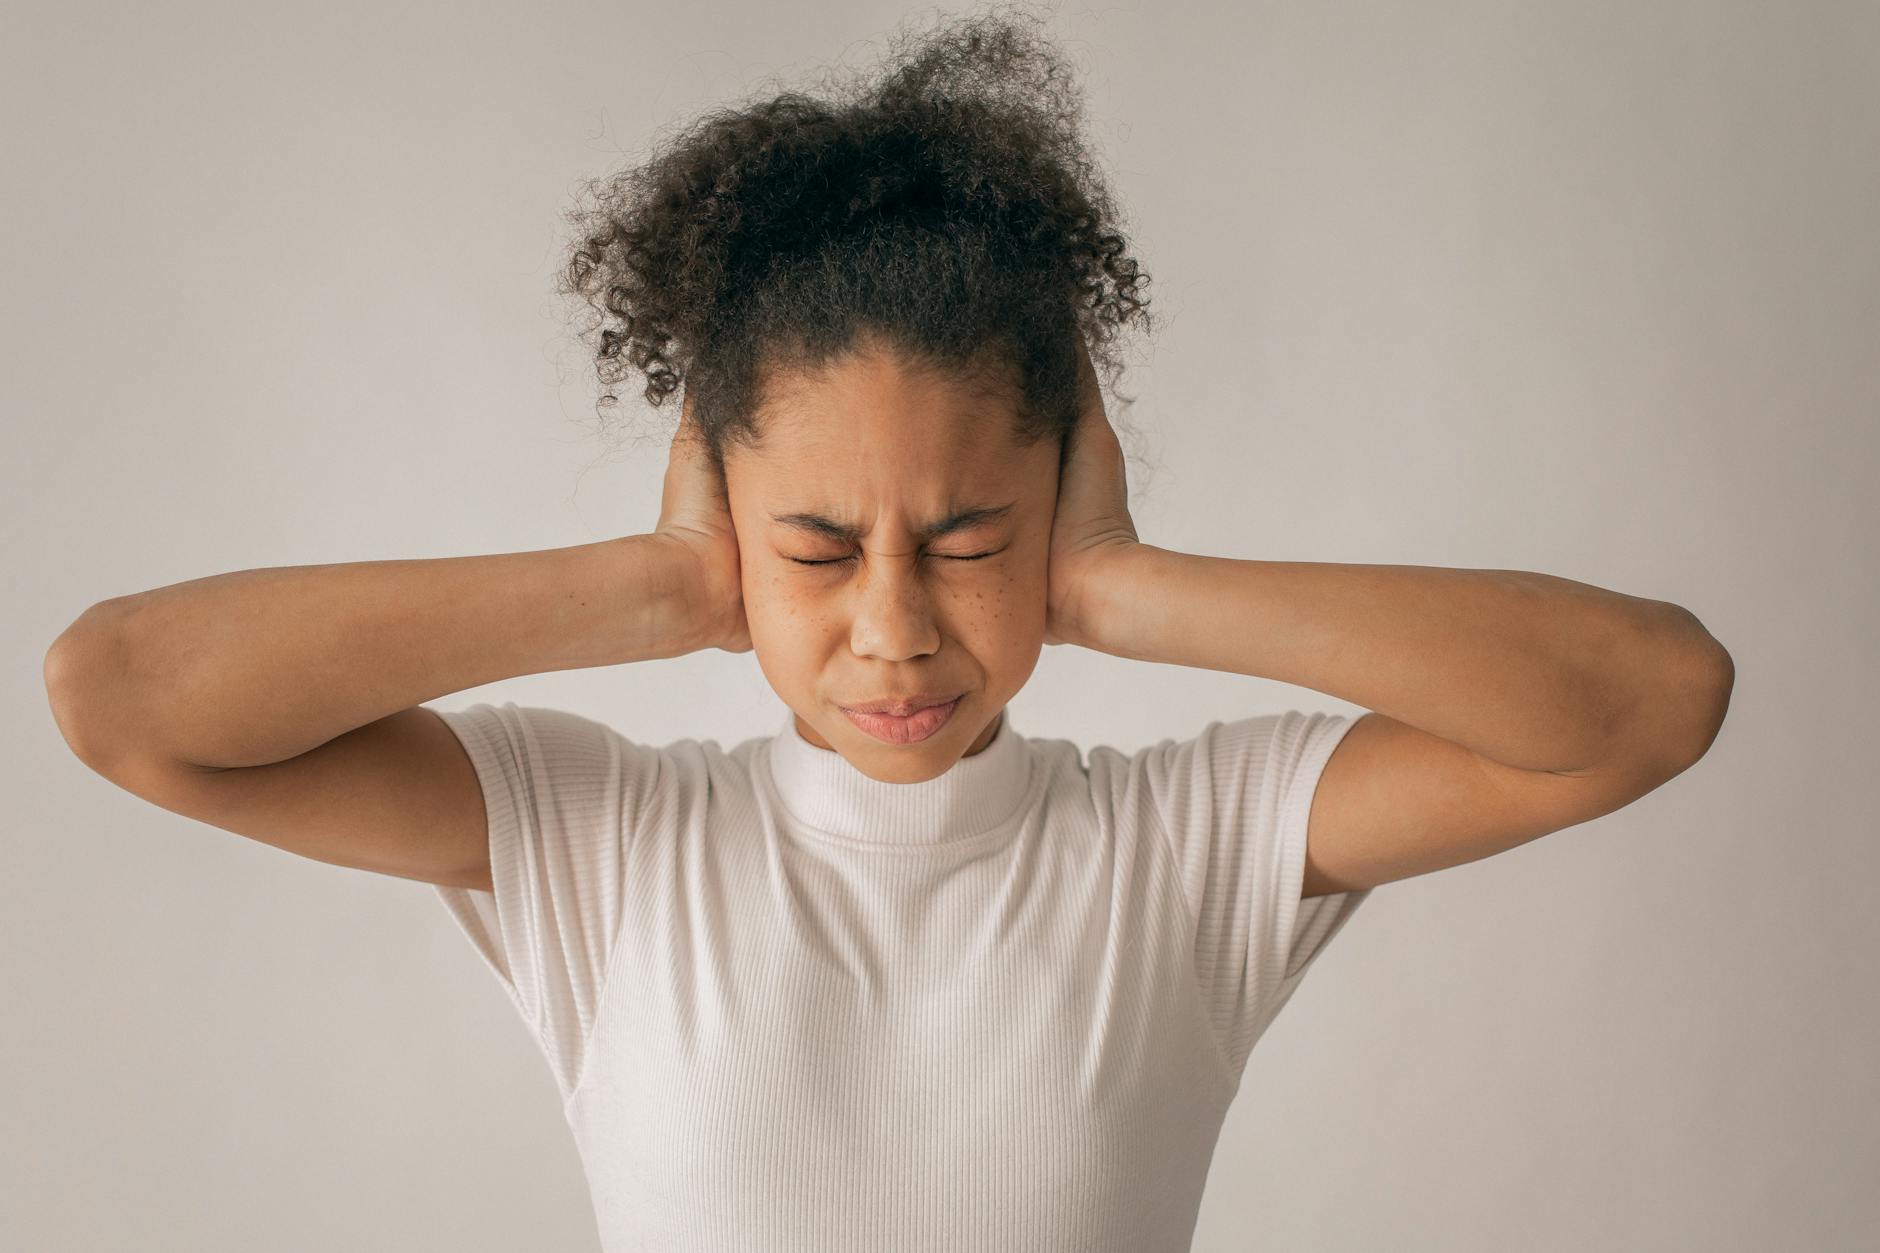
x=893, y=617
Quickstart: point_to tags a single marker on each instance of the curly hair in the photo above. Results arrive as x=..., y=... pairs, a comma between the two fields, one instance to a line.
x=948, y=207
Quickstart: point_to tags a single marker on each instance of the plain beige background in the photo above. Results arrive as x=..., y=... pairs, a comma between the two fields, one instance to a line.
x=1590, y=289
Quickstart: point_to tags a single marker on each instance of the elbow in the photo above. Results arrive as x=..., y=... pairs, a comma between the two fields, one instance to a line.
x=1723, y=682
x=1709, y=684
x=1693, y=677
x=75, y=672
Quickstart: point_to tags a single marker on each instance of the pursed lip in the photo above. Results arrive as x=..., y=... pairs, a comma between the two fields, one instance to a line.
x=901, y=707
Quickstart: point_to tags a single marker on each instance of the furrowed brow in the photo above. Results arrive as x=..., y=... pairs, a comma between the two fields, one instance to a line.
x=817, y=524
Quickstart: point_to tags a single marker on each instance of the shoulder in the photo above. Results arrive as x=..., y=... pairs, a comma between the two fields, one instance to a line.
x=1219, y=751
x=553, y=758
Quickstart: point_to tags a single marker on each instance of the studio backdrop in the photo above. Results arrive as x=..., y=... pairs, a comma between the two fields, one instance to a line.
x=1584, y=289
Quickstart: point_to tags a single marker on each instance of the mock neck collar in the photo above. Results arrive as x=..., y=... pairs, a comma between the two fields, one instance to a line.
x=823, y=790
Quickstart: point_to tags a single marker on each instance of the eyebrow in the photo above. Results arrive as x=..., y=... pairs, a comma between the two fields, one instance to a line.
x=817, y=524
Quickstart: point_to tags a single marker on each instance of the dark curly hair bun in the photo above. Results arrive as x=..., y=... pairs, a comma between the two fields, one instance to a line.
x=945, y=205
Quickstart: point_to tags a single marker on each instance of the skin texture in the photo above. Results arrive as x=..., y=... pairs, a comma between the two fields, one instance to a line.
x=879, y=443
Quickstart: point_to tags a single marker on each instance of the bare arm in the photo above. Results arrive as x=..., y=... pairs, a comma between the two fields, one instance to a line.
x=285, y=703
x=1501, y=705
x=1531, y=671
x=259, y=666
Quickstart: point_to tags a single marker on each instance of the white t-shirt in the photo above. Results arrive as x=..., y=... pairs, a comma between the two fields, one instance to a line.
x=793, y=1008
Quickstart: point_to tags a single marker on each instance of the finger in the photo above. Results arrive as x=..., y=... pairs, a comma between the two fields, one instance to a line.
x=694, y=461
x=1087, y=389
x=688, y=437
x=687, y=418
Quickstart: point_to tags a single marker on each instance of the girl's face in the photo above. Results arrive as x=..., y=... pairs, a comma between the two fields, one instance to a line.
x=933, y=526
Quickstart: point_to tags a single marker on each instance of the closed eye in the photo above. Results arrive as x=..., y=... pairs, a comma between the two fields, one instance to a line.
x=947, y=556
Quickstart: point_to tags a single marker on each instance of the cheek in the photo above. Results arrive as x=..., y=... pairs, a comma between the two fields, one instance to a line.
x=1003, y=612
x=1003, y=628
x=776, y=610
x=789, y=638
x=798, y=621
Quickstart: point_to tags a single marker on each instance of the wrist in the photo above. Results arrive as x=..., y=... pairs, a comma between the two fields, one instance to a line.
x=1116, y=595
x=663, y=600
x=693, y=608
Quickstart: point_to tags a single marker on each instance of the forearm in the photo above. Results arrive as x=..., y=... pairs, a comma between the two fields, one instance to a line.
x=257, y=666
x=1529, y=670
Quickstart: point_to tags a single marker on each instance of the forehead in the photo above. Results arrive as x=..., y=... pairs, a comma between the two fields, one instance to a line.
x=873, y=429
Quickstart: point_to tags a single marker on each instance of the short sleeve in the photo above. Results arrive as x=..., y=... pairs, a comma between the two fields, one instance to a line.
x=1233, y=804
x=562, y=794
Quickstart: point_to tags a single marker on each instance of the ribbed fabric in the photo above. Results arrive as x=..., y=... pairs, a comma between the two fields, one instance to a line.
x=793, y=1009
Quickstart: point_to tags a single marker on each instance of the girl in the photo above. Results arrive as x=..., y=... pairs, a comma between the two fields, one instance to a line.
x=898, y=976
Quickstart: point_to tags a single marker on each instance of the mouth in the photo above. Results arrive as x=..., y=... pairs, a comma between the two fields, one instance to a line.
x=919, y=721
x=901, y=707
